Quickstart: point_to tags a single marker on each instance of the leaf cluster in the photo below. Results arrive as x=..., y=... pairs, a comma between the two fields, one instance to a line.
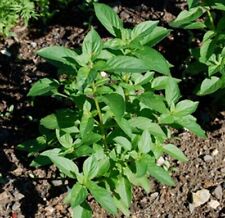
x=209, y=17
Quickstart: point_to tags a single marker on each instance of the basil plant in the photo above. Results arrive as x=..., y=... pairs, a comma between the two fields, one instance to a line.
x=123, y=103
x=209, y=58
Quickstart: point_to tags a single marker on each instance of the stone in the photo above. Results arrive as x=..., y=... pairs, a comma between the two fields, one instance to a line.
x=49, y=210
x=214, y=204
x=200, y=197
x=5, y=52
x=191, y=207
x=57, y=182
x=208, y=158
x=16, y=206
x=160, y=161
x=18, y=196
x=218, y=192
x=4, y=198
x=215, y=152
x=154, y=195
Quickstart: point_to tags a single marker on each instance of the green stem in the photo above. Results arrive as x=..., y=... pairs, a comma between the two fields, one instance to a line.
x=126, y=80
x=211, y=20
x=100, y=117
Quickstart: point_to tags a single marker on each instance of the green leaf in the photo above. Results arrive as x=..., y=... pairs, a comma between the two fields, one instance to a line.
x=125, y=126
x=161, y=175
x=125, y=35
x=65, y=165
x=61, y=57
x=92, y=44
x=144, y=144
x=82, y=211
x=77, y=195
x=174, y=152
x=195, y=25
x=209, y=86
x=86, y=125
x=40, y=161
x=83, y=151
x=189, y=122
x=208, y=46
x=160, y=82
x=116, y=104
x=121, y=206
x=43, y=87
x=166, y=118
x=34, y=145
x=125, y=64
x=153, y=60
x=64, y=118
x=186, y=17
x=157, y=35
x=123, y=142
x=192, y=3
x=172, y=92
x=141, y=166
x=123, y=189
x=219, y=5
x=144, y=123
x=137, y=181
x=142, y=79
x=87, y=121
x=185, y=107
x=115, y=44
x=65, y=139
x=103, y=197
x=91, y=139
x=103, y=166
x=143, y=29
x=108, y=18
x=90, y=167
x=155, y=102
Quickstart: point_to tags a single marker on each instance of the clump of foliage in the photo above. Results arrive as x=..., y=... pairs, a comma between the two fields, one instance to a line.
x=124, y=102
x=11, y=11
x=45, y=10
x=209, y=16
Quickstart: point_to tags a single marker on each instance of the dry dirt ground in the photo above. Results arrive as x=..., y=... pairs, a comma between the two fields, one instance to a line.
x=28, y=192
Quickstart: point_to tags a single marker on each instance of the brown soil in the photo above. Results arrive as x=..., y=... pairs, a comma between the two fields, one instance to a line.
x=28, y=192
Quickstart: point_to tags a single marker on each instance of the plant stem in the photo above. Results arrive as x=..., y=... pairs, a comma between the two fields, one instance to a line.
x=211, y=20
x=126, y=79
x=100, y=117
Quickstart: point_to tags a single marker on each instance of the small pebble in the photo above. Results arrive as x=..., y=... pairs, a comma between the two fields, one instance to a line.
x=59, y=207
x=218, y=192
x=49, y=210
x=160, y=161
x=16, y=206
x=33, y=44
x=154, y=195
x=57, y=182
x=200, y=197
x=214, y=204
x=170, y=215
x=215, y=152
x=208, y=158
x=18, y=196
x=5, y=52
x=191, y=207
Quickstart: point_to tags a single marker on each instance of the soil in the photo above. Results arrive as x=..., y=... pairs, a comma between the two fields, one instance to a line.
x=29, y=192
